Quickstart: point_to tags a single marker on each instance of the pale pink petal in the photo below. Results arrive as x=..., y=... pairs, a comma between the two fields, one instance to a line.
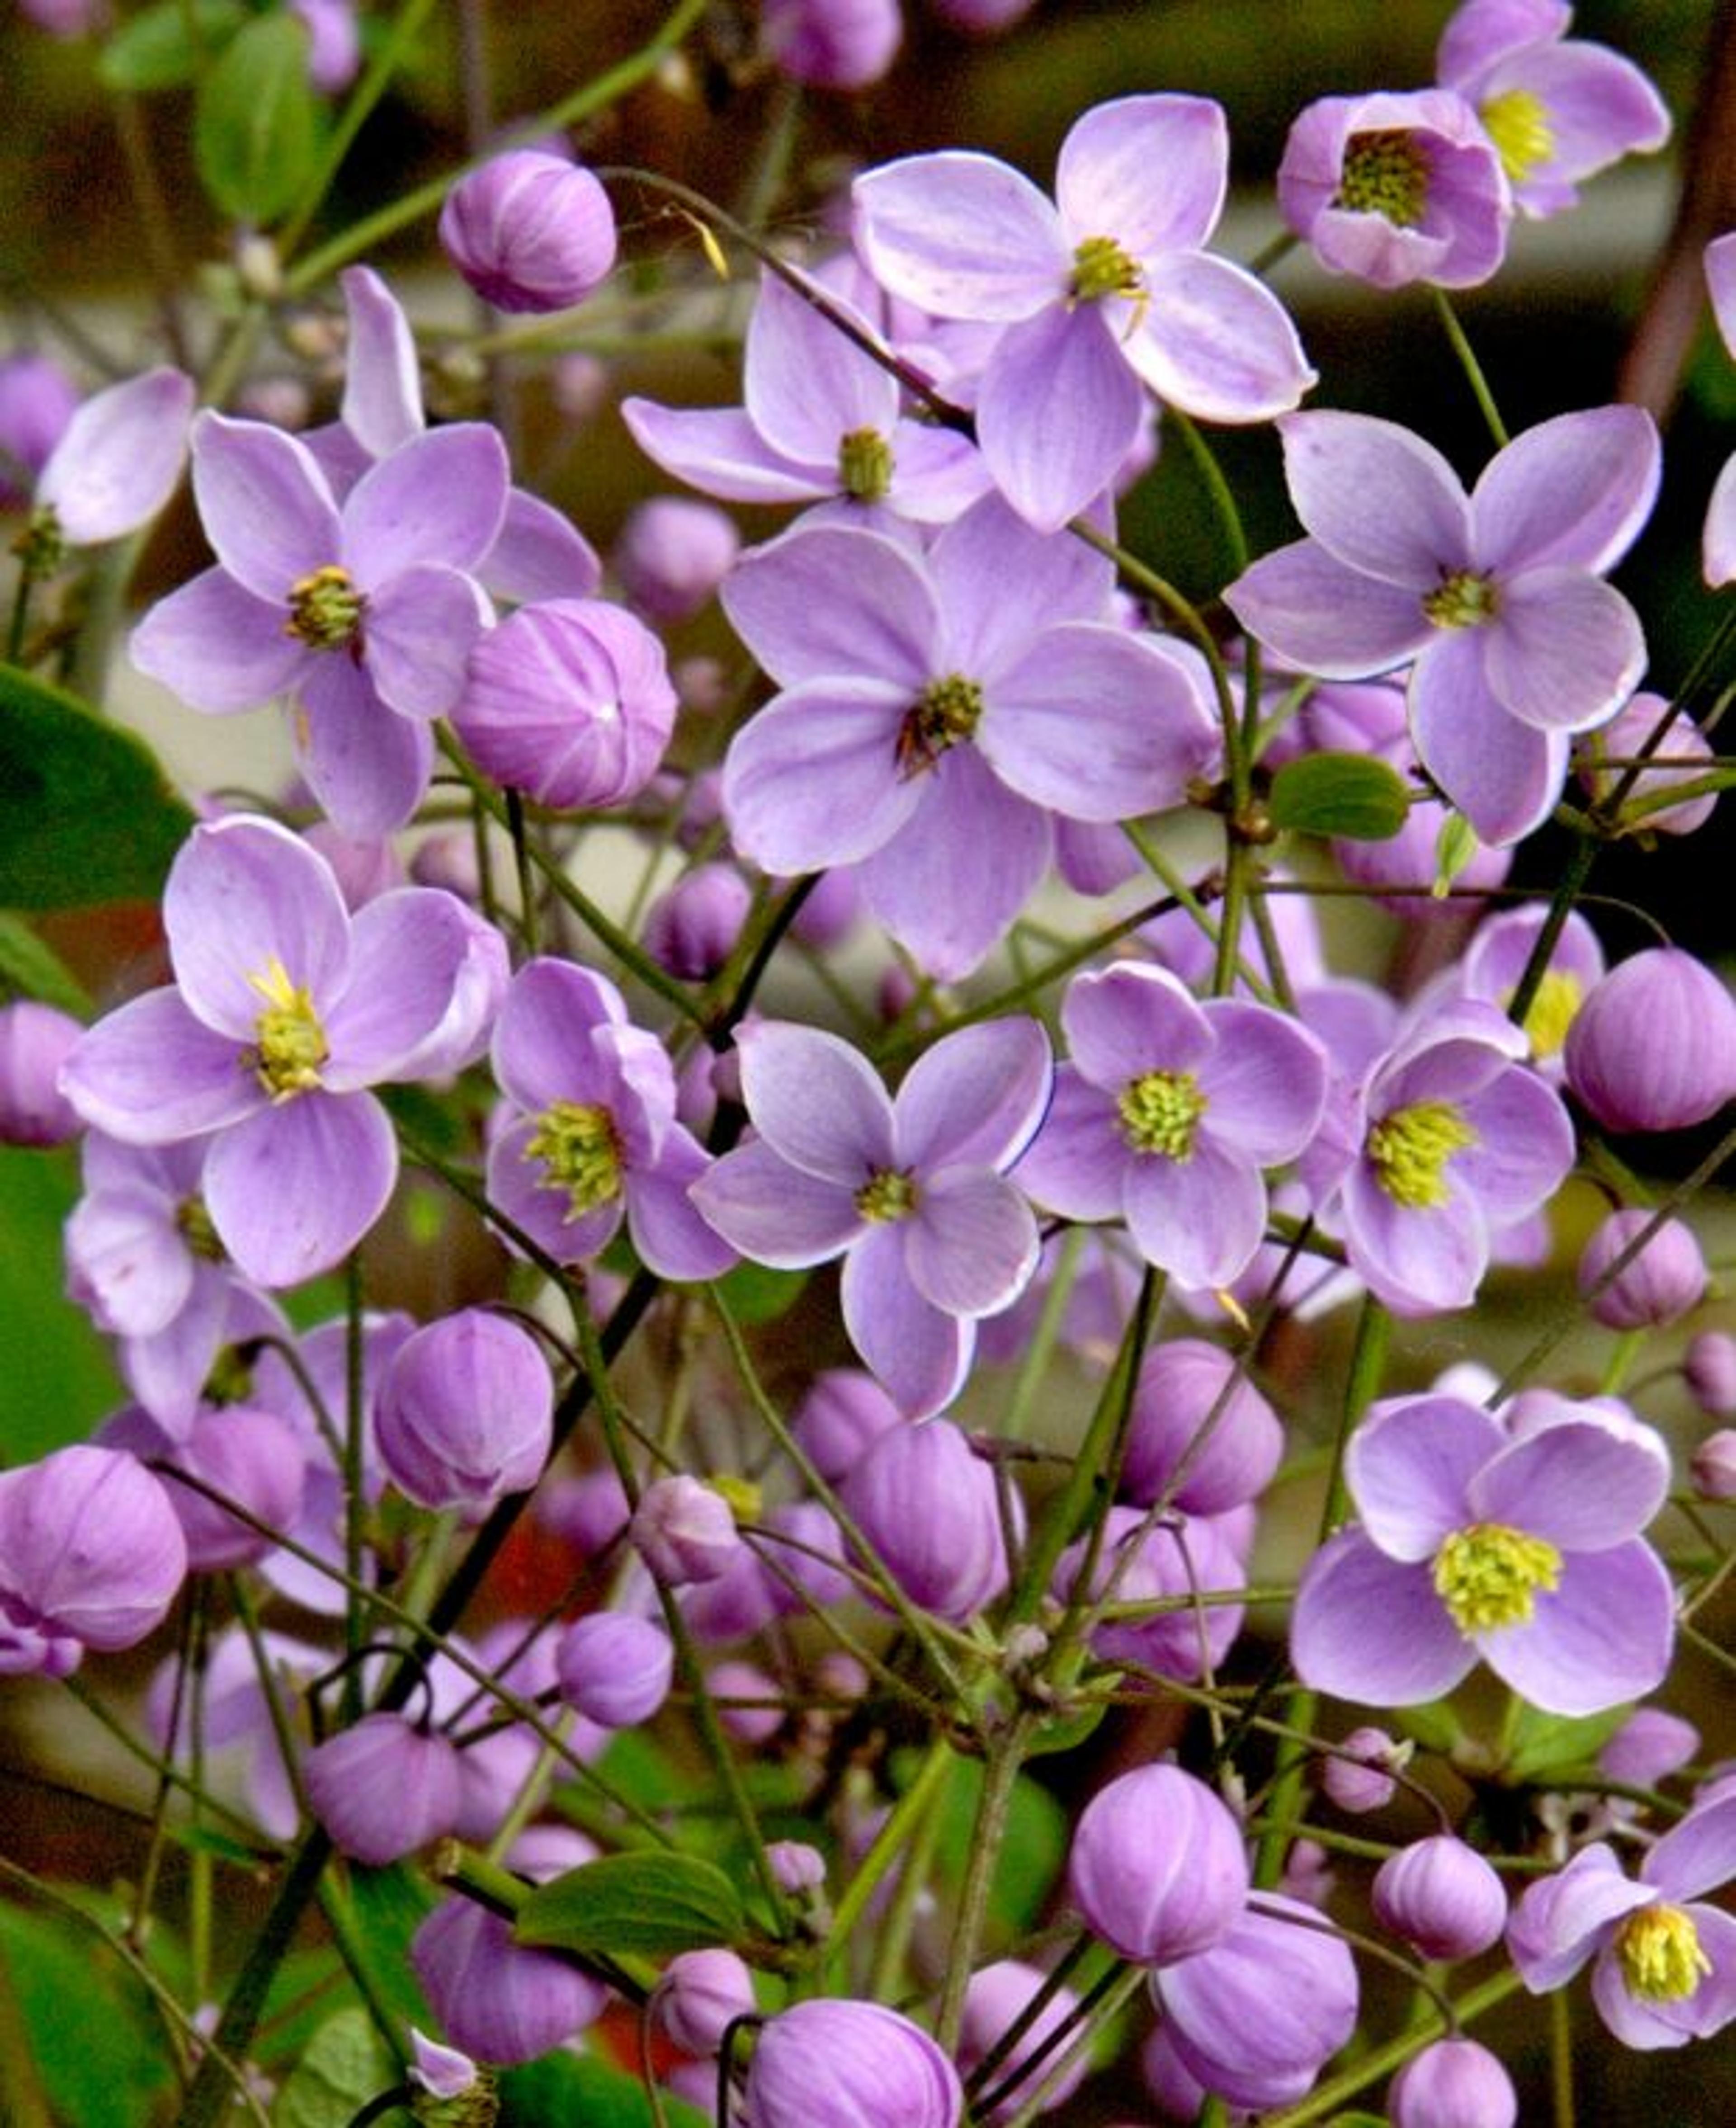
x=960, y=234
x=1571, y=493
x=1149, y=171
x=1369, y=1629
x=775, y=1213
x=1077, y=1161
x=264, y=503
x=1565, y=651
x=1409, y=1467
x=830, y=600
x=1505, y=776
x=1334, y=462
x=1604, y=1635
x=150, y=1073
x=1058, y=412
x=421, y=628
x=920, y=1354
x=806, y=385
x=244, y=894
x=368, y=767
x=216, y=646
x=440, y=498
x=814, y=779
x=1200, y=1219
x=970, y=1247
x=1322, y=616
x=815, y=1101
x=718, y=450
x=1215, y=341
x=382, y=380
x=291, y=1190
x=975, y=1097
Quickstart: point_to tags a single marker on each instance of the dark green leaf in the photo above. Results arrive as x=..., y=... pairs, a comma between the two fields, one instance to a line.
x=255, y=122
x=31, y=967
x=1339, y=794
x=347, y=2064
x=638, y=1902
x=86, y=814
x=165, y=45
x=56, y=1381
x=388, y=1907
x=586, y=2093
x=91, y=2041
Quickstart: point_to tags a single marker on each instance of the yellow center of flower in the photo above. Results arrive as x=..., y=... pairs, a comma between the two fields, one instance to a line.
x=888, y=1194
x=1102, y=268
x=946, y=711
x=865, y=464
x=1387, y=174
x=325, y=609
x=1463, y=601
x=1160, y=1112
x=1662, y=1960
x=1487, y=1575
x=290, y=1044
x=1558, y=998
x=1518, y=123
x=746, y=1500
x=580, y=1152
x=193, y=1223
x=1409, y=1150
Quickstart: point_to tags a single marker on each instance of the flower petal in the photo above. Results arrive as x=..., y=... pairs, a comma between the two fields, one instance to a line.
x=264, y=503
x=408, y=949
x=291, y=1190
x=1150, y=171
x=439, y=498
x=1367, y=1628
x=368, y=767
x=382, y=379
x=775, y=1213
x=1200, y=1219
x=217, y=646
x=975, y=1097
x=829, y=599
x=962, y=234
x=421, y=628
x=150, y=1073
x=1565, y=651
x=672, y=1236
x=1077, y=1161
x=806, y=385
x=1334, y=462
x=1324, y=617
x=1505, y=776
x=244, y=893
x=919, y=1354
x=814, y=780
x=1605, y=1635
x=1123, y=1022
x=1058, y=412
x=718, y=450
x=971, y=1247
x=1216, y=342
x=119, y=457
x=1265, y=1082
x=1410, y=1465
x=817, y=1101
x=1572, y=492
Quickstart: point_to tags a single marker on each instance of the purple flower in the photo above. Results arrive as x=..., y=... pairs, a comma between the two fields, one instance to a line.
x=1451, y=1140
x=529, y=232
x=1168, y=1113
x=1497, y=597
x=910, y=1191
x=944, y=703
x=118, y=459
x=832, y=2064
x=91, y=1556
x=1157, y=1866
x=700, y=1996
x=831, y=44
x=1356, y=1775
x=499, y=2000
x=1442, y=1897
x=685, y=1531
x=1173, y=1562
x=592, y=1138
x=673, y=553
x=35, y=1040
x=383, y=1788
x=1658, y=1286
x=1517, y=1545
x=1453, y=2084
x=931, y=1510
x=247, y=1456
x=1497, y=957
x=1108, y=291
x=37, y=400
x=614, y=1669
x=1653, y=1047
x=364, y=611
x=1665, y=1961
x=465, y=1413
x=1396, y=189
x=996, y=2000
x=1557, y=109
x=821, y=423
x=1200, y=1436
x=283, y=1010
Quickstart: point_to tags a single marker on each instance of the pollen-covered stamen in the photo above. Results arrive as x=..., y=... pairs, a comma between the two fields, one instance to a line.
x=326, y=609
x=1488, y=1575
x=1410, y=1149
x=1660, y=1954
x=1558, y=998
x=890, y=1194
x=1386, y=173
x=290, y=1044
x=193, y=1222
x=945, y=712
x=1102, y=268
x=1518, y=123
x=865, y=465
x=1462, y=599
x=1160, y=1112
x=580, y=1151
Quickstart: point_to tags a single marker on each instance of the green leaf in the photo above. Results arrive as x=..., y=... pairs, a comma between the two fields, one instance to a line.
x=754, y=1293
x=156, y=49
x=1545, y=1744
x=653, y=1903
x=1350, y=794
x=91, y=2044
x=586, y=2093
x=33, y=969
x=86, y=813
x=256, y=121
x=347, y=2064
x=56, y=1380
x=387, y=1908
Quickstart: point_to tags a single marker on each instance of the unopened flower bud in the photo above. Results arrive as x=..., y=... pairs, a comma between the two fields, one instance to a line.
x=692, y=929
x=1183, y=1383
x=843, y=1414
x=672, y=554
x=844, y=45
x=1661, y=1284
x=684, y=1530
x=825, y=2061
x=995, y=2001
x=529, y=232
x=1158, y=1867
x=700, y=1995
x=928, y=1506
x=615, y=1668
x=1453, y=2084
x=1654, y=1047
x=1650, y=1746
x=466, y=1412
x=1709, y=1367
x=35, y=1040
x=1713, y=1466
x=1440, y=1896
x=1355, y=1776
x=383, y=1788
x=798, y=1868
x=761, y=1715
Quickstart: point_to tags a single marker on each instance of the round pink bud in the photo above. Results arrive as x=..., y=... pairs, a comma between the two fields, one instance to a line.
x=831, y=44
x=1441, y=1896
x=929, y=1508
x=498, y=2000
x=1650, y=1746
x=615, y=1668
x=997, y=1997
x=1713, y=1466
x=981, y=18
x=672, y=554
x=831, y=2064
x=684, y=1530
x=529, y=232
x=1653, y=1047
x=383, y=1788
x=1183, y=1384
x=700, y=1995
x=1709, y=1365
x=1158, y=1867
x=251, y=1457
x=466, y=1412
x=1355, y=1776
x=1453, y=2084
x=1684, y=746
x=800, y=1870
x=569, y=702
x=1661, y=1284
x=692, y=929
x=34, y=1042
x=843, y=1414
x=761, y=1715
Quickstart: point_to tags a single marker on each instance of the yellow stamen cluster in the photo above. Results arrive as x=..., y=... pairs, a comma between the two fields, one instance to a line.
x=1488, y=1574
x=865, y=465
x=1385, y=173
x=945, y=712
x=289, y=1044
x=1462, y=599
x=1660, y=1954
x=325, y=609
x=1102, y=268
x=1518, y=123
x=1558, y=998
x=1409, y=1150
x=1160, y=1112
x=580, y=1152
x=890, y=1194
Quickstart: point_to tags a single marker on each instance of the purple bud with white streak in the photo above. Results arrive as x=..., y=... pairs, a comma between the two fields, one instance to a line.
x=529, y=232
x=1442, y=1897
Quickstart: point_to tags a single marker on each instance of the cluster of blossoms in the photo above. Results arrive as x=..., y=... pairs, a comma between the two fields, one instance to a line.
x=543, y=1518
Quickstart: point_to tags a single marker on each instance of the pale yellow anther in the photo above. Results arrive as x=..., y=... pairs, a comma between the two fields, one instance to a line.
x=1660, y=1954
x=1488, y=1575
x=1409, y=1150
x=580, y=1152
x=1160, y=1112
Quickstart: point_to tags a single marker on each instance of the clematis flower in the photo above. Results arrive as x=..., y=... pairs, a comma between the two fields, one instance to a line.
x=1106, y=292
x=285, y=1009
x=911, y=1192
x=1498, y=596
x=592, y=1138
x=944, y=703
x=1558, y=109
x=364, y=612
x=1516, y=1544
x=1663, y=1962
x=1396, y=189
x=1168, y=1113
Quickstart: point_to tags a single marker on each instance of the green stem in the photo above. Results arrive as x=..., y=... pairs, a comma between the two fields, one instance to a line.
x=889, y=1843
x=1471, y=367
x=1568, y=889
x=1005, y=1756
